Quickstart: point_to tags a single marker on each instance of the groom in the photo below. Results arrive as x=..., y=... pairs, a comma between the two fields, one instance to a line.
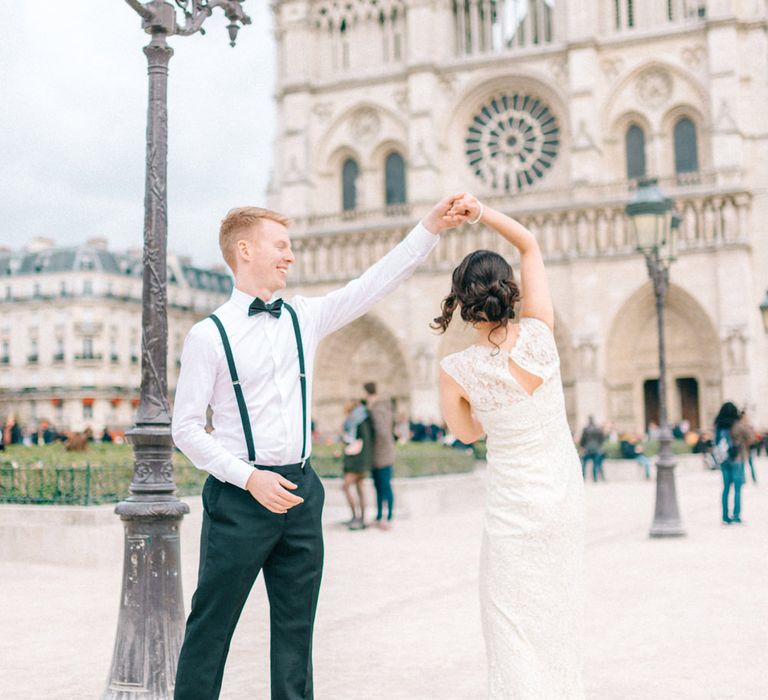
x=251, y=361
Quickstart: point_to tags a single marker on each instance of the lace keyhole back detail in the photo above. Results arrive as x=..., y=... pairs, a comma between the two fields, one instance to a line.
x=527, y=381
x=494, y=379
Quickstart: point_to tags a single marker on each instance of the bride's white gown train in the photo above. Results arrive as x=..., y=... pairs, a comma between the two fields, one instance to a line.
x=531, y=568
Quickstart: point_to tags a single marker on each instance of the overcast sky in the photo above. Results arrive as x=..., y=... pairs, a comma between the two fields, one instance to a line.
x=73, y=119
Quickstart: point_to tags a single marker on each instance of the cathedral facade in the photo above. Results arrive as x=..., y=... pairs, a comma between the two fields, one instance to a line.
x=551, y=112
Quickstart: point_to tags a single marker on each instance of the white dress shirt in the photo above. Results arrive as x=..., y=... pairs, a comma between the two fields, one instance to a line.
x=264, y=350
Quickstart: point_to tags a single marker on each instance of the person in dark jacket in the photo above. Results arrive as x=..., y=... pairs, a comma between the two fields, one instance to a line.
x=592, y=439
x=383, y=419
x=735, y=437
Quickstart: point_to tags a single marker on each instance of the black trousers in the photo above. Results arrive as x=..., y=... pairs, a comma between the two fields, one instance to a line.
x=240, y=537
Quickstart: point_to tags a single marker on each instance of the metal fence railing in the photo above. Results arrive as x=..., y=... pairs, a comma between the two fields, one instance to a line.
x=86, y=485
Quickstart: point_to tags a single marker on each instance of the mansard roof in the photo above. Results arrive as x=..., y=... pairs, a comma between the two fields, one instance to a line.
x=86, y=258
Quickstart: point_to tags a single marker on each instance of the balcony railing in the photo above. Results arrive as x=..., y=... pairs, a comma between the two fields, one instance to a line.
x=561, y=198
x=386, y=216
x=58, y=357
x=93, y=357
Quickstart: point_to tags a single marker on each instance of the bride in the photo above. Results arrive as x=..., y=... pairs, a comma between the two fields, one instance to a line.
x=507, y=386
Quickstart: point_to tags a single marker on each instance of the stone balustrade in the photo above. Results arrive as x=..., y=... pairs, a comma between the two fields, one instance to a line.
x=565, y=232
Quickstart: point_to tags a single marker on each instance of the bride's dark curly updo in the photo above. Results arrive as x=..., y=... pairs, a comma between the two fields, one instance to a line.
x=484, y=287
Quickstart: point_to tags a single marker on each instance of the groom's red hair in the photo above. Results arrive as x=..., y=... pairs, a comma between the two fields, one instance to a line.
x=243, y=220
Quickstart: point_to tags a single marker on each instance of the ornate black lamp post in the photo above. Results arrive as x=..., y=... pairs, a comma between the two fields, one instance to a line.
x=654, y=227
x=151, y=620
x=764, y=311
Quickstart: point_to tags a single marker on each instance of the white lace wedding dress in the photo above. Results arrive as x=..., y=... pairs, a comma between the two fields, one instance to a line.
x=531, y=578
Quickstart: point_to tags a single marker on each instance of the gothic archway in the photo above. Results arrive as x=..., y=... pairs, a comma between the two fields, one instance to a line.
x=363, y=351
x=694, y=372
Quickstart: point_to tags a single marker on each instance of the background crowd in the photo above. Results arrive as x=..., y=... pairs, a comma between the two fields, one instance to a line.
x=372, y=428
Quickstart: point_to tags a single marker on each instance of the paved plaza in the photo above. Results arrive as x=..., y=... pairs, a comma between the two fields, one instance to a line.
x=682, y=619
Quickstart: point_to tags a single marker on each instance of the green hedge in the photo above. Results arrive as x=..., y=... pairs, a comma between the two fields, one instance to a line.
x=102, y=474
x=650, y=448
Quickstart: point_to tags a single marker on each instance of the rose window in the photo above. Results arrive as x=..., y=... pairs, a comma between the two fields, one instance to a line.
x=512, y=141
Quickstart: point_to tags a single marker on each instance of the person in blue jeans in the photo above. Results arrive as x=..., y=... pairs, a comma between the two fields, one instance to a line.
x=383, y=419
x=591, y=442
x=730, y=429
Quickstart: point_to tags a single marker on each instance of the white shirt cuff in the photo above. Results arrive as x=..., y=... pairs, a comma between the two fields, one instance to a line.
x=239, y=472
x=422, y=239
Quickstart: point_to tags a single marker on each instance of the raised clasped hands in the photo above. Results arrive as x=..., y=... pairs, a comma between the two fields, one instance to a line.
x=272, y=491
x=465, y=205
x=451, y=212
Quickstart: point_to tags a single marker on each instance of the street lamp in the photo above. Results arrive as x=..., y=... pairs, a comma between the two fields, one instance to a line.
x=654, y=227
x=764, y=310
x=151, y=620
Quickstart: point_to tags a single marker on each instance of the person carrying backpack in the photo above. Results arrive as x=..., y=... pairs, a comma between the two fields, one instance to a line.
x=732, y=440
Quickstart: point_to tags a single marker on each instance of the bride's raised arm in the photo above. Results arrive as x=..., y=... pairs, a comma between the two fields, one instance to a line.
x=536, y=299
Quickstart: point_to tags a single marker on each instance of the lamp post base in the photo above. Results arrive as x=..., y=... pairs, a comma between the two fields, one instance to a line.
x=666, y=519
x=150, y=626
x=672, y=528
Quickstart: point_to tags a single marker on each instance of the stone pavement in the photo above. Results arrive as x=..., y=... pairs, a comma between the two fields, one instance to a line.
x=681, y=619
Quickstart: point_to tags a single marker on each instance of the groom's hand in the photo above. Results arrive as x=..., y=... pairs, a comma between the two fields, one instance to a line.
x=271, y=490
x=444, y=215
x=466, y=205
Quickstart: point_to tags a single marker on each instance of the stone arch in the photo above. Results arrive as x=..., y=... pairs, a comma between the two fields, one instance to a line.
x=336, y=165
x=379, y=158
x=457, y=118
x=365, y=350
x=692, y=351
x=350, y=171
x=620, y=98
x=337, y=158
x=649, y=90
x=360, y=129
x=374, y=122
x=635, y=152
x=669, y=120
x=617, y=141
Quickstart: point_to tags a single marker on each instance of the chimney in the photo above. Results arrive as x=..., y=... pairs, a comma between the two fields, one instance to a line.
x=39, y=243
x=97, y=243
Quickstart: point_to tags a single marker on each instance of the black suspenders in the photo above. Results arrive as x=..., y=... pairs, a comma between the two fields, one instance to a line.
x=302, y=380
x=239, y=391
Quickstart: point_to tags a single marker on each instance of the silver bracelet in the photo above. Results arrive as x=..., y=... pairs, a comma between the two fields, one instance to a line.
x=479, y=215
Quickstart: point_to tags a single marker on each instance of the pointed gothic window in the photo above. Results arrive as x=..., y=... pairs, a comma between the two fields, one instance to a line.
x=635, y=151
x=349, y=173
x=686, y=152
x=394, y=171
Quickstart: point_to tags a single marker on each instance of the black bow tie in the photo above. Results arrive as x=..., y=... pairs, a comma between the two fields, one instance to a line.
x=258, y=306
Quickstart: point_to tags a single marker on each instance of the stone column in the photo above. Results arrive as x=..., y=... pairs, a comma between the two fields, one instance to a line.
x=295, y=50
